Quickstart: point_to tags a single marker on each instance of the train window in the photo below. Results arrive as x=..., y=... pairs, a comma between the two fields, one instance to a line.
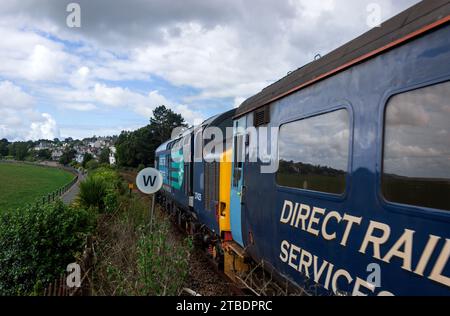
x=314, y=153
x=238, y=159
x=163, y=168
x=416, y=162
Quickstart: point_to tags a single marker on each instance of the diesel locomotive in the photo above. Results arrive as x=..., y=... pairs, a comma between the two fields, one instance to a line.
x=359, y=201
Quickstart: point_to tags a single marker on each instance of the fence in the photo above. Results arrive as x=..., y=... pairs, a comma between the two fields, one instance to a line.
x=59, y=286
x=49, y=198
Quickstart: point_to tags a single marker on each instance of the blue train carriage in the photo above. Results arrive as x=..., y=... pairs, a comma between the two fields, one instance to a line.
x=175, y=162
x=360, y=202
x=207, y=170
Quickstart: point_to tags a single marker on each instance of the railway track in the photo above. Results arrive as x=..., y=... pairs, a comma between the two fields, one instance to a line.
x=257, y=281
x=203, y=258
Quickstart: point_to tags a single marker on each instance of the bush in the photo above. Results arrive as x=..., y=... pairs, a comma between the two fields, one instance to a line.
x=111, y=201
x=92, y=192
x=105, y=165
x=106, y=174
x=122, y=187
x=101, y=189
x=37, y=243
x=163, y=264
x=75, y=164
x=91, y=165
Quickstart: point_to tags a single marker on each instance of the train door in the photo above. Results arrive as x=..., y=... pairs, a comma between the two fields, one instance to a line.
x=237, y=180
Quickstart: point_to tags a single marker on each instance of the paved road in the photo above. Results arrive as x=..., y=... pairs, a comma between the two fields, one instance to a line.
x=70, y=195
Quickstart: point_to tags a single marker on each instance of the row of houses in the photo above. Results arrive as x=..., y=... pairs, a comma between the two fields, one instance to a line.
x=93, y=146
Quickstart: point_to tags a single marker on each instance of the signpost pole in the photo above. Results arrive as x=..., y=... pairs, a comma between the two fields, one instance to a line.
x=149, y=181
x=152, y=212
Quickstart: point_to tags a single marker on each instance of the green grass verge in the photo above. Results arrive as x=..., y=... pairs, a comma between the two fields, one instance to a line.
x=21, y=184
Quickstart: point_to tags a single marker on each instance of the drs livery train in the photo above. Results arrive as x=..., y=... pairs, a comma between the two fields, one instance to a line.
x=358, y=202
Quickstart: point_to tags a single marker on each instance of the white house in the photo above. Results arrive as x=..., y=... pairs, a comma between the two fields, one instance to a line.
x=56, y=154
x=79, y=158
x=42, y=145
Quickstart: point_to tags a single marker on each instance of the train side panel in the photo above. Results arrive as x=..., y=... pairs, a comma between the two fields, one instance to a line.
x=176, y=171
x=407, y=247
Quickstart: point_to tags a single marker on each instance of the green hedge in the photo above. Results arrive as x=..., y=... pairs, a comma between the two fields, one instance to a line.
x=37, y=243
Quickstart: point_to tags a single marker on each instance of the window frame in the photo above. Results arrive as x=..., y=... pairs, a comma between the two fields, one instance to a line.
x=318, y=194
x=396, y=207
x=238, y=166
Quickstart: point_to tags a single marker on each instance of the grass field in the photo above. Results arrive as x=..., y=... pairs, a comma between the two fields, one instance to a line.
x=21, y=184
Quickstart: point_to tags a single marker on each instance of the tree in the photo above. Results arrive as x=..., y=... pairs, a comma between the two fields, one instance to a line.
x=162, y=123
x=4, y=147
x=138, y=147
x=104, y=155
x=134, y=148
x=86, y=158
x=67, y=156
x=92, y=164
x=44, y=154
x=19, y=150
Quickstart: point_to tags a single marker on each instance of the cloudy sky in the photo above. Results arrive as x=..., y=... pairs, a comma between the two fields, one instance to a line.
x=199, y=57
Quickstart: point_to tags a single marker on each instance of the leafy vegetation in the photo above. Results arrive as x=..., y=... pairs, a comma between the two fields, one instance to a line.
x=19, y=150
x=100, y=190
x=92, y=193
x=138, y=147
x=67, y=156
x=44, y=154
x=86, y=158
x=134, y=260
x=92, y=164
x=163, y=264
x=104, y=156
x=4, y=147
x=37, y=243
x=24, y=183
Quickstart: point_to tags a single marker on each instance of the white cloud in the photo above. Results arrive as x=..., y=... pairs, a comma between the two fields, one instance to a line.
x=44, y=64
x=238, y=101
x=29, y=56
x=211, y=60
x=12, y=96
x=82, y=107
x=222, y=49
x=81, y=78
x=113, y=98
x=44, y=129
x=18, y=118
